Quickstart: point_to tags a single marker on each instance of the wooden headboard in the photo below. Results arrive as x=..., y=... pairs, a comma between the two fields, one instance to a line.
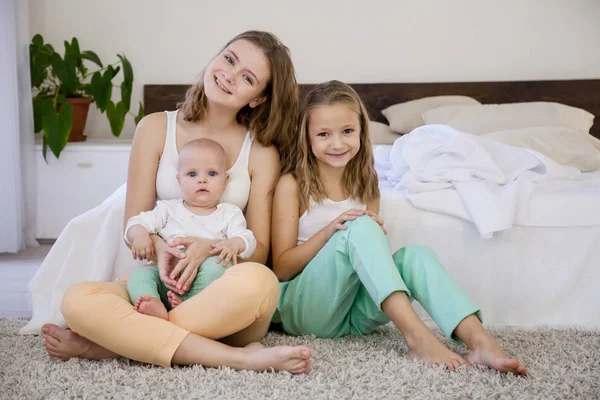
x=584, y=94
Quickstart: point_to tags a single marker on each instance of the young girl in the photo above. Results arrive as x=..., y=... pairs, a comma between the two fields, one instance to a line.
x=246, y=100
x=330, y=249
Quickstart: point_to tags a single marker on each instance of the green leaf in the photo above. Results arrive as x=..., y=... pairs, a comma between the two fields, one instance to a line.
x=39, y=61
x=65, y=71
x=37, y=114
x=101, y=88
x=116, y=117
x=140, y=114
x=44, y=149
x=126, y=89
x=91, y=56
x=48, y=48
x=56, y=126
x=37, y=40
x=127, y=70
x=75, y=47
x=113, y=71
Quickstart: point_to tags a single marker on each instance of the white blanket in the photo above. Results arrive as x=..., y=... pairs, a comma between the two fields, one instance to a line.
x=488, y=183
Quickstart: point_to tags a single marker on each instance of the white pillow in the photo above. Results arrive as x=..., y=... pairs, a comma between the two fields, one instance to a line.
x=404, y=117
x=381, y=133
x=485, y=118
x=563, y=145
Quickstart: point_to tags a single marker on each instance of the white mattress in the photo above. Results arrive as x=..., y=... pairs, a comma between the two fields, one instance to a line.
x=526, y=276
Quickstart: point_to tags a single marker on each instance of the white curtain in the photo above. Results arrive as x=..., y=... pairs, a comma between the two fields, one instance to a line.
x=17, y=148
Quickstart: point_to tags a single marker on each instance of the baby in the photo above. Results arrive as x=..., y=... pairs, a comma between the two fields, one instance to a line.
x=202, y=177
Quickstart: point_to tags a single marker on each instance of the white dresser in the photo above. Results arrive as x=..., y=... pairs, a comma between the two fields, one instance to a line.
x=85, y=174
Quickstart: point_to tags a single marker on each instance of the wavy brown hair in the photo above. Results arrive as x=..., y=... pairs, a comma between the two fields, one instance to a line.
x=360, y=178
x=272, y=122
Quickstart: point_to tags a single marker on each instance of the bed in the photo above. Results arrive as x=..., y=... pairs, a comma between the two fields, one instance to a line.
x=523, y=276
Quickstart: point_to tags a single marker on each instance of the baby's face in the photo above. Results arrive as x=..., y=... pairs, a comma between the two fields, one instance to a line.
x=202, y=176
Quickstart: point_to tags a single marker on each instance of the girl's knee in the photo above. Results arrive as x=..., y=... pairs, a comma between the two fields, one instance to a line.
x=416, y=256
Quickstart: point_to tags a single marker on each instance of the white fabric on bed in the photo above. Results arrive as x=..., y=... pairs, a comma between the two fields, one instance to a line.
x=565, y=146
x=491, y=184
x=525, y=276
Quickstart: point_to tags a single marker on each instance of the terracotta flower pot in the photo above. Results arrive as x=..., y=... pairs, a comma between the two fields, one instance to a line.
x=81, y=106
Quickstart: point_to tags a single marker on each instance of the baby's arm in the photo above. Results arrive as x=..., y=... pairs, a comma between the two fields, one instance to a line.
x=139, y=228
x=240, y=240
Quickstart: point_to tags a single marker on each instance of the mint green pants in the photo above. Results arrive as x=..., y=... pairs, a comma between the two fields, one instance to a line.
x=146, y=280
x=340, y=291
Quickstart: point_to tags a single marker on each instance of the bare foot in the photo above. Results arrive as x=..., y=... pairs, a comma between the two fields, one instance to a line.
x=151, y=306
x=283, y=358
x=429, y=349
x=174, y=299
x=489, y=353
x=63, y=344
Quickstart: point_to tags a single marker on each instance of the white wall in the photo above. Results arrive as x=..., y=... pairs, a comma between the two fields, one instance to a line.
x=354, y=41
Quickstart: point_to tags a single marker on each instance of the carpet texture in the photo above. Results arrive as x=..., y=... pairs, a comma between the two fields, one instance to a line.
x=563, y=364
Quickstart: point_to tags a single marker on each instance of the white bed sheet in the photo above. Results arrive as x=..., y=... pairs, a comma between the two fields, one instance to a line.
x=525, y=276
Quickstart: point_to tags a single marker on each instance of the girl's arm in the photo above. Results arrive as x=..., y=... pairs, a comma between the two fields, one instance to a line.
x=373, y=212
x=264, y=172
x=289, y=259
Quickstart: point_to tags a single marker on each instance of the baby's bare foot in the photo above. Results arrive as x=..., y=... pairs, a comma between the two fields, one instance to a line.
x=489, y=353
x=150, y=306
x=63, y=344
x=283, y=358
x=174, y=299
x=429, y=349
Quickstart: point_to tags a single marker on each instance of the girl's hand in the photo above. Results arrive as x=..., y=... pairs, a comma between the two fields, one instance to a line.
x=142, y=247
x=197, y=251
x=228, y=250
x=376, y=218
x=338, y=223
x=166, y=258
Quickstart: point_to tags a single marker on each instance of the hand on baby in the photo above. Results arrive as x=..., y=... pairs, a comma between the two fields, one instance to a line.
x=228, y=250
x=142, y=247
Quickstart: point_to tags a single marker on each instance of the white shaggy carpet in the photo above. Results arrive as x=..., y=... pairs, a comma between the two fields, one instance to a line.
x=563, y=364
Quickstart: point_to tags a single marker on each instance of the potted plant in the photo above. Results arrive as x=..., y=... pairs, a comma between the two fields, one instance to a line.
x=63, y=88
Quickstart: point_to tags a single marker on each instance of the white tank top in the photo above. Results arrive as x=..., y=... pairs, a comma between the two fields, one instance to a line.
x=319, y=215
x=167, y=187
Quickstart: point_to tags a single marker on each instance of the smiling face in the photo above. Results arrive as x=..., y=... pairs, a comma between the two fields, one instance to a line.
x=238, y=76
x=202, y=173
x=334, y=134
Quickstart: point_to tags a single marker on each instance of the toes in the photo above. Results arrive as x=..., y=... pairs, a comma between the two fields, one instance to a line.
x=451, y=365
x=51, y=341
x=46, y=328
x=51, y=330
x=304, y=352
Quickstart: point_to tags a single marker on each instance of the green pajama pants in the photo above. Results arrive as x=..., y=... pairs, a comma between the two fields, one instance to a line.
x=340, y=291
x=146, y=280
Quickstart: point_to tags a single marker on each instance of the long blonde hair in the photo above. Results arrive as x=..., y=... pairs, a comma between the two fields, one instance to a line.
x=272, y=122
x=360, y=178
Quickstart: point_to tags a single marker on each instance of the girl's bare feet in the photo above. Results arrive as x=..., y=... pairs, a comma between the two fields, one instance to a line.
x=284, y=358
x=174, y=299
x=428, y=348
x=63, y=344
x=489, y=353
x=483, y=349
x=150, y=306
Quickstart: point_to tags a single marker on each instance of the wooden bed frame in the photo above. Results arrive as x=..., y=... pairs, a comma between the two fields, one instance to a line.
x=584, y=94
